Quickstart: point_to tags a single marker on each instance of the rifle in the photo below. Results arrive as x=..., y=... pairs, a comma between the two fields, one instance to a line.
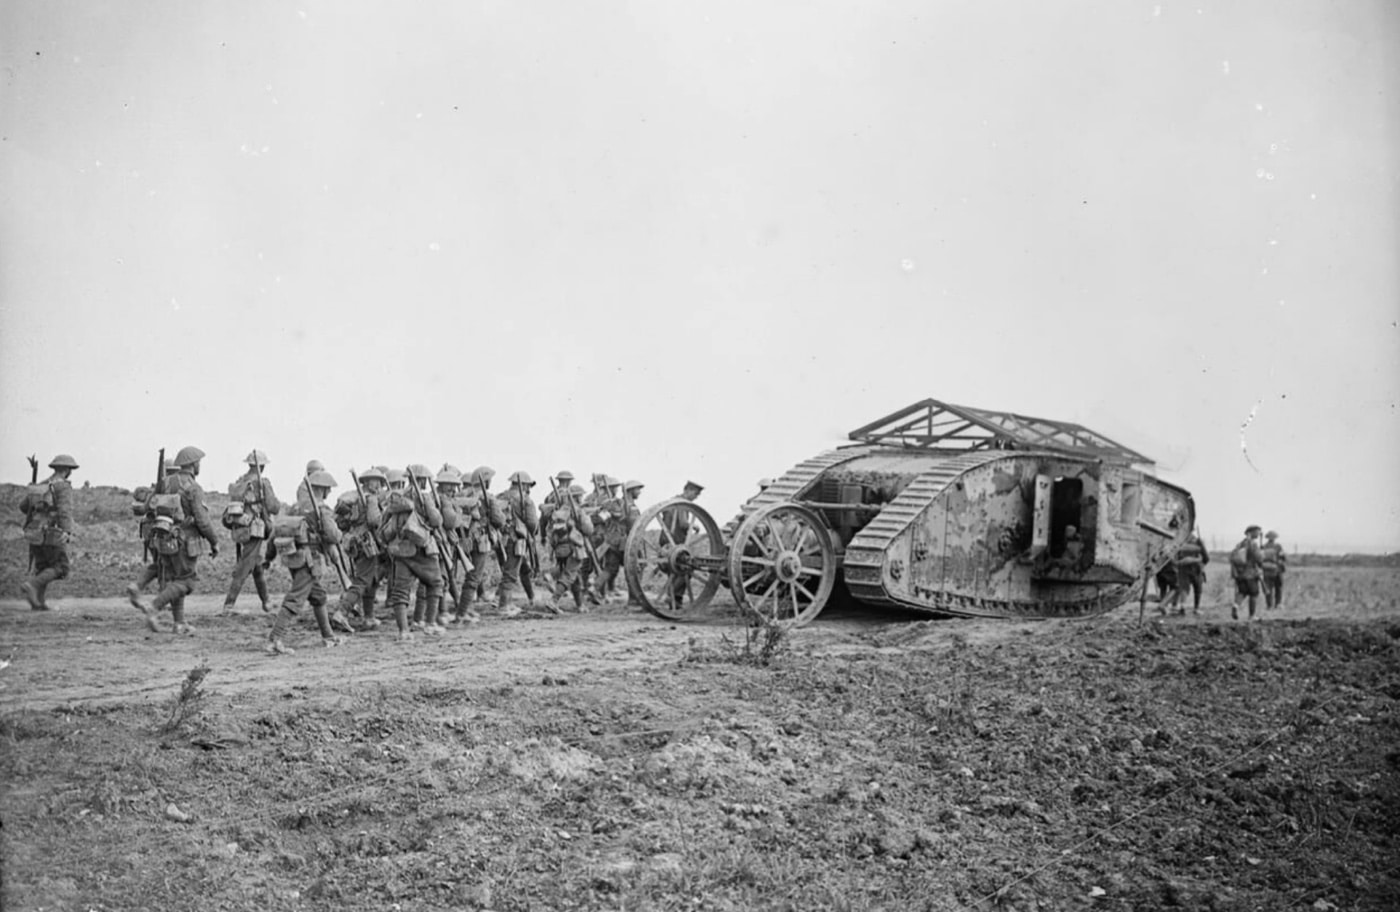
x=158, y=489
x=573, y=512
x=262, y=498
x=437, y=536
x=33, y=480
x=491, y=533
x=532, y=551
x=376, y=546
x=330, y=555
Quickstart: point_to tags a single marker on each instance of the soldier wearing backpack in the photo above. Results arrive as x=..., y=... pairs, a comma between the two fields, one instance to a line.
x=617, y=517
x=406, y=530
x=48, y=527
x=483, y=518
x=1274, y=567
x=568, y=531
x=248, y=517
x=522, y=524
x=180, y=531
x=358, y=514
x=302, y=539
x=1191, y=559
x=1246, y=568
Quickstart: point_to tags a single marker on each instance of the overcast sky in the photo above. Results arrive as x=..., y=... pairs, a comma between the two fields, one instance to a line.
x=670, y=240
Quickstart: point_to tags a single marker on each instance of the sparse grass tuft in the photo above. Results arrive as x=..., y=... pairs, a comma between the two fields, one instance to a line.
x=188, y=703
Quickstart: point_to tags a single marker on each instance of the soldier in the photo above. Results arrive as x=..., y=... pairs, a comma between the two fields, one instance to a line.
x=302, y=540
x=522, y=521
x=141, y=506
x=248, y=517
x=551, y=500
x=447, y=482
x=303, y=497
x=568, y=532
x=48, y=527
x=358, y=517
x=406, y=530
x=618, y=517
x=676, y=526
x=482, y=521
x=1191, y=560
x=1275, y=565
x=1246, y=568
x=178, y=568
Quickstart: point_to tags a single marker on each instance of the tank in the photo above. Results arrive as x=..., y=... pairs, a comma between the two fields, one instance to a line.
x=942, y=509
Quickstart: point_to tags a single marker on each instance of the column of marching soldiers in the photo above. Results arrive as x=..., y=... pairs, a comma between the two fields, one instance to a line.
x=411, y=529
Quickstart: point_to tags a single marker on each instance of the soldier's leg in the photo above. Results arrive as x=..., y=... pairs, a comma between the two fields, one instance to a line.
x=246, y=557
x=1278, y=592
x=52, y=565
x=260, y=578
x=401, y=583
x=302, y=581
x=1197, y=585
x=317, y=599
x=420, y=594
x=429, y=572
x=510, y=576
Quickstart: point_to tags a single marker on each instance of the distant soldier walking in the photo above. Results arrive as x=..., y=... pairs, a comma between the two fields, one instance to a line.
x=617, y=516
x=483, y=520
x=1275, y=566
x=303, y=540
x=522, y=522
x=48, y=527
x=185, y=529
x=1246, y=568
x=1191, y=560
x=248, y=517
x=358, y=514
x=407, y=532
x=568, y=533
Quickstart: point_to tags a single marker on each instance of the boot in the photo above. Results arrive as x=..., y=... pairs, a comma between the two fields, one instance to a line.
x=31, y=595
x=277, y=647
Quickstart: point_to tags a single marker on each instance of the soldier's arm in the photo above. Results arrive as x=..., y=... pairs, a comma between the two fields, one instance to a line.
x=193, y=497
x=432, y=514
x=494, y=514
x=585, y=525
x=450, y=519
x=330, y=532
x=374, y=511
x=270, y=498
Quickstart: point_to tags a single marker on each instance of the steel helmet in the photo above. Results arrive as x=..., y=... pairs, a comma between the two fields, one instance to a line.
x=395, y=476
x=314, y=466
x=322, y=479
x=63, y=461
x=449, y=467
x=611, y=481
x=418, y=470
x=576, y=490
x=374, y=472
x=765, y=483
x=633, y=485
x=448, y=475
x=522, y=477
x=257, y=457
x=483, y=473
x=188, y=456
x=1271, y=534
x=347, y=498
x=564, y=476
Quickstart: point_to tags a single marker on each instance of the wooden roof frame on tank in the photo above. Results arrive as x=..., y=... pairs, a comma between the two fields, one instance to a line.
x=931, y=424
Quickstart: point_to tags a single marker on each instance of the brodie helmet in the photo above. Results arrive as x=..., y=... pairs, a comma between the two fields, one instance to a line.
x=448, y=475
x=257, y=457
x=314, y=466
x=374, y=472
x=63, y=461
x=322, y=479
x=633, y=485
x=564, y=476
x=521, y=478
x=188, y=456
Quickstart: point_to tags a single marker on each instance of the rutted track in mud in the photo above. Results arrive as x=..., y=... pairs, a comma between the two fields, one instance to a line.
x=97, y=651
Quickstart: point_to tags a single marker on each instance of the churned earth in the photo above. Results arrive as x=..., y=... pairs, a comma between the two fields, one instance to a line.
x=616, y=761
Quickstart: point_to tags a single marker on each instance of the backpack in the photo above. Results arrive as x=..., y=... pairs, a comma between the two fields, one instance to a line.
x=168, y=505
x=349, y=511
x=404, y=533
x=1239, y=558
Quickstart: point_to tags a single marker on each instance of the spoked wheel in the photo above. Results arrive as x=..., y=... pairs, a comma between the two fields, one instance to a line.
x=674, y=559
x=782, y=565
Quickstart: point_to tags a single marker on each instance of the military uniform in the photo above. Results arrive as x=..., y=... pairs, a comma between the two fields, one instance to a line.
x=522, y=522
x=178, y=570
x=568, y=531
x=48, y=527
x=252, y=504
x=359, y=521
x=618, y=517
x=483, y=518
x=301, y=539
x=1191, y=560
x=1274, y=566
x=406, y=530
x=426, y=612
x=1246, y=569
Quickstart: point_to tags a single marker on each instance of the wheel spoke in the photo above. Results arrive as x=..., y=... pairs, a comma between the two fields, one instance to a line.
x=760, y=561
x=753, y=579
x=810, y=571
x=667, y=533
x=811, y=596
x=767, y=592
x=802, y=534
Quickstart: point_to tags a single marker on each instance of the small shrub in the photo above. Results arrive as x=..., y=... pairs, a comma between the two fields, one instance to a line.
x=187, y=705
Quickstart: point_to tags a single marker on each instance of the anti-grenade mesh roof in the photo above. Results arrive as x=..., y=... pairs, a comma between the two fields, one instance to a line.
x=930, y=424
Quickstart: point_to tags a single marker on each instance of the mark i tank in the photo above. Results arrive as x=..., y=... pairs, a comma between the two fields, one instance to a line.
x=942, y=509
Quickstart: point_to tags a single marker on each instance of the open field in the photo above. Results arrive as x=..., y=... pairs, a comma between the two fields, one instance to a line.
x=873, y=760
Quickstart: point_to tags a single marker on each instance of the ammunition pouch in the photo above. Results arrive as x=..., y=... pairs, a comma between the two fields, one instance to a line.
x=167, y=538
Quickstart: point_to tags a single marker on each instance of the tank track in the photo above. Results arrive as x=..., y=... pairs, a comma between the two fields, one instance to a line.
x=784, y=489
x=865, y=557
